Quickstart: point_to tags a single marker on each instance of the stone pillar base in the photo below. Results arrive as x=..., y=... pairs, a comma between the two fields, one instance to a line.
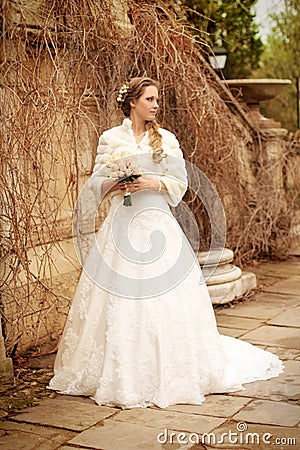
x=226, y=292
x=6, y=369
x=6, y=366
x=224, y=280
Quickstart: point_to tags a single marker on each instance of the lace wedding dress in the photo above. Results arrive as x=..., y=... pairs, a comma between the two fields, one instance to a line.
x=141, y=329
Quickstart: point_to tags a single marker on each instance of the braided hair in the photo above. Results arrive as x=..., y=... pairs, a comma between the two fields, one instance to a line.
x=132, y=91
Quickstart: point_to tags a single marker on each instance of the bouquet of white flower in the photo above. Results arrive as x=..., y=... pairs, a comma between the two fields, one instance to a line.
x=123, y=166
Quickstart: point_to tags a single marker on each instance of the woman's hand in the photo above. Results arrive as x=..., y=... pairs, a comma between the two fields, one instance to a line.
x=109, y=186
x=140, y=184
x=137, y=185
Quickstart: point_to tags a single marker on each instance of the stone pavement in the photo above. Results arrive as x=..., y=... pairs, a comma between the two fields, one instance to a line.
x=265, y=415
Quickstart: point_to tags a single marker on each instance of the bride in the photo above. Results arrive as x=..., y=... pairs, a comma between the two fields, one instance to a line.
x=141, y=329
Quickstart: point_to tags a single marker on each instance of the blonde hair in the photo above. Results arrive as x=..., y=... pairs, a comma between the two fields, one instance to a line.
x=134, y=89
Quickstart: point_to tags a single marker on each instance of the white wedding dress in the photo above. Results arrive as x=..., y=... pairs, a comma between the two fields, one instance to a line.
x=141, y=330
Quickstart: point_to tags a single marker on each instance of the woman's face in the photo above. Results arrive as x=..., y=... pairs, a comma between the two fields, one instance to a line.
x=146, y=106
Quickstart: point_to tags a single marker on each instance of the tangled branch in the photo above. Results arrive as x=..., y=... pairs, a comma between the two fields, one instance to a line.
x=62, y=64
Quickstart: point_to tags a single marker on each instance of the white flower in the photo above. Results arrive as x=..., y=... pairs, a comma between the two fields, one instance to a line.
x=123, y=93
x=122, y=163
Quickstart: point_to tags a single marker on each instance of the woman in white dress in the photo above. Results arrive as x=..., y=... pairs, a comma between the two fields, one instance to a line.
x=141, y=330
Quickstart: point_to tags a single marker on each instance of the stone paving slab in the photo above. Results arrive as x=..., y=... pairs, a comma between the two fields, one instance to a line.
x=264, y=438
x=270, y=412
x=261, y=309
x=291, y=373
x=288, y=318
x=24, y=436
x=290, y=286
x=275, y=298
x=218, y=405
x=277, y=270
x=270, y=389
x=233, y=332
x=73, y=413
x=276, y=336
x=284, y=353
x=172, y=420
x=243, y=323
x=114, y=435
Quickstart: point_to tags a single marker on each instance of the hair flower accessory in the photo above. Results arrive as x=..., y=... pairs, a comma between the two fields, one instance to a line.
x=123, y=94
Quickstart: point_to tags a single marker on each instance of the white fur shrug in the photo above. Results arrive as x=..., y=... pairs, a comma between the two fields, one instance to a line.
x=171, y=170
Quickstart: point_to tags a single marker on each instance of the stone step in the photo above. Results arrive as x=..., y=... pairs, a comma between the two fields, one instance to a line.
x=226, y=292
x=215, y=257
x=221, y=276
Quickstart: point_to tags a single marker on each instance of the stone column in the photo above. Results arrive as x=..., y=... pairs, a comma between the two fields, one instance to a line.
x=6, y=367
x=293, y=185
x=273, y=153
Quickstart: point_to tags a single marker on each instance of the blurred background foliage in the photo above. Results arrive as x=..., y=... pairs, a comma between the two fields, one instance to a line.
x=281, y=59
x=231, y=24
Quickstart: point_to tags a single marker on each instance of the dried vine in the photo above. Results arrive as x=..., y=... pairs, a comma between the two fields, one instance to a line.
x=62, y=64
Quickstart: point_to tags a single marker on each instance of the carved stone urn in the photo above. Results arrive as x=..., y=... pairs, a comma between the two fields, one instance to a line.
x=252, y=92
